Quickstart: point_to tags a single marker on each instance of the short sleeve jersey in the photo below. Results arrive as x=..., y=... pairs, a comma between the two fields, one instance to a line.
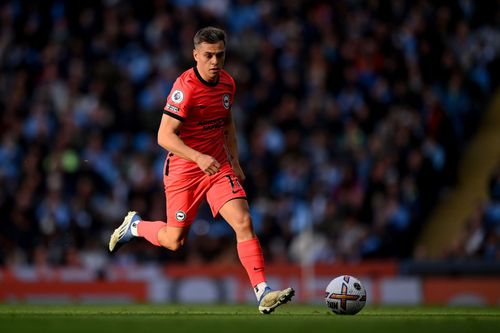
x=203, y=108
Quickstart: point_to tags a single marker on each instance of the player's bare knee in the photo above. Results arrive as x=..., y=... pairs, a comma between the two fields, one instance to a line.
x=244, y=221
x=176, y=246
x=172, y=245
x=243, y=226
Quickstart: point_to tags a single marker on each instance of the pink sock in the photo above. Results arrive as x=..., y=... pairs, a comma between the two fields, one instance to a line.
x=149, y=230
x=251, y=257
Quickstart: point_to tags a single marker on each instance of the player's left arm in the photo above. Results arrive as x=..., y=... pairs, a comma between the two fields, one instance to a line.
x=232, y=146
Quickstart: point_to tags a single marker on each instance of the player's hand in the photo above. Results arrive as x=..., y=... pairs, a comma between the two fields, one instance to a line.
x=208, y=164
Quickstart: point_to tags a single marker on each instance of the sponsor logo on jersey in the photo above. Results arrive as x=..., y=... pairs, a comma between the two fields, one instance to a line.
x=177, y=96
x=212, y=124
x=225, y=101
x=180, y=216
x=172, y=108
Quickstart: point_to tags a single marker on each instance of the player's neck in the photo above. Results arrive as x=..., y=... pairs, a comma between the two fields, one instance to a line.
x=210, y=83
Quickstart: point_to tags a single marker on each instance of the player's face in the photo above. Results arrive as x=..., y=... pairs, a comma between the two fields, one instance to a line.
x=209, y=60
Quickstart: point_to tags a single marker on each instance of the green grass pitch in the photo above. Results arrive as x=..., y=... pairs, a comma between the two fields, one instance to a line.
x=20, y=318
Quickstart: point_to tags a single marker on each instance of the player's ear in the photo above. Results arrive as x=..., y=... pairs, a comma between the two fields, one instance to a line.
x=195, y=54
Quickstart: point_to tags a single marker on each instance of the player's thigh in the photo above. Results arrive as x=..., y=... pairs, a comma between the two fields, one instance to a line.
x=225, y=188
x=237, y=215
x=236, y=210
x=183, y=198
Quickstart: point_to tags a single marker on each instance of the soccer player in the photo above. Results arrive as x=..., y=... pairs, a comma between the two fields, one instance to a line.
x=202, y=163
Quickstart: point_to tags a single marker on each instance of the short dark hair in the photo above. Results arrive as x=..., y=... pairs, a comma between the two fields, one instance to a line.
x=209, y=35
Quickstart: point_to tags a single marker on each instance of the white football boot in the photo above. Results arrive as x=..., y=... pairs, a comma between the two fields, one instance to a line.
x=123, y=234
x=271, y=299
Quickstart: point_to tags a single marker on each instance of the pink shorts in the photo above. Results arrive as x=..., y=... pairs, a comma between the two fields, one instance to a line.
x=185, y=194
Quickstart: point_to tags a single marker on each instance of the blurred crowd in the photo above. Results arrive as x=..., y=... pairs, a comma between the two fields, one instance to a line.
x=352, y=116
x=480, y=237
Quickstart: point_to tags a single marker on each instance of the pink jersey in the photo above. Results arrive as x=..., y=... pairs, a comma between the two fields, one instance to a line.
x=203, y=108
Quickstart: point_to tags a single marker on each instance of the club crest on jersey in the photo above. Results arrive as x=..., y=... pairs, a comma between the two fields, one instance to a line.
x=225, y=101
x=177, y=96
x=180, y=216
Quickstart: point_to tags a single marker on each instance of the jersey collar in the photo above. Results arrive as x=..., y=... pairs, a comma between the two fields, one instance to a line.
x=210, y=84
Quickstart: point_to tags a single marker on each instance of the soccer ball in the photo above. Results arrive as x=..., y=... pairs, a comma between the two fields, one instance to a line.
x=345, y=295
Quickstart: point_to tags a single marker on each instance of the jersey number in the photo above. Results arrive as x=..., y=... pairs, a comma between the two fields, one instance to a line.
x=235, y=183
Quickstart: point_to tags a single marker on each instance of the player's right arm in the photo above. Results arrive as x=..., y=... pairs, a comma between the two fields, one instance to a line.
x=169, y=140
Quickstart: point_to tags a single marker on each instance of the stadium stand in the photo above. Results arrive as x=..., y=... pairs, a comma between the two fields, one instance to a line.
x=353, y=117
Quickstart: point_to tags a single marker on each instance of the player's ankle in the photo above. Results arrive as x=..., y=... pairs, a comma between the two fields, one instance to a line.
x=259, y=289
x=133, y=228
